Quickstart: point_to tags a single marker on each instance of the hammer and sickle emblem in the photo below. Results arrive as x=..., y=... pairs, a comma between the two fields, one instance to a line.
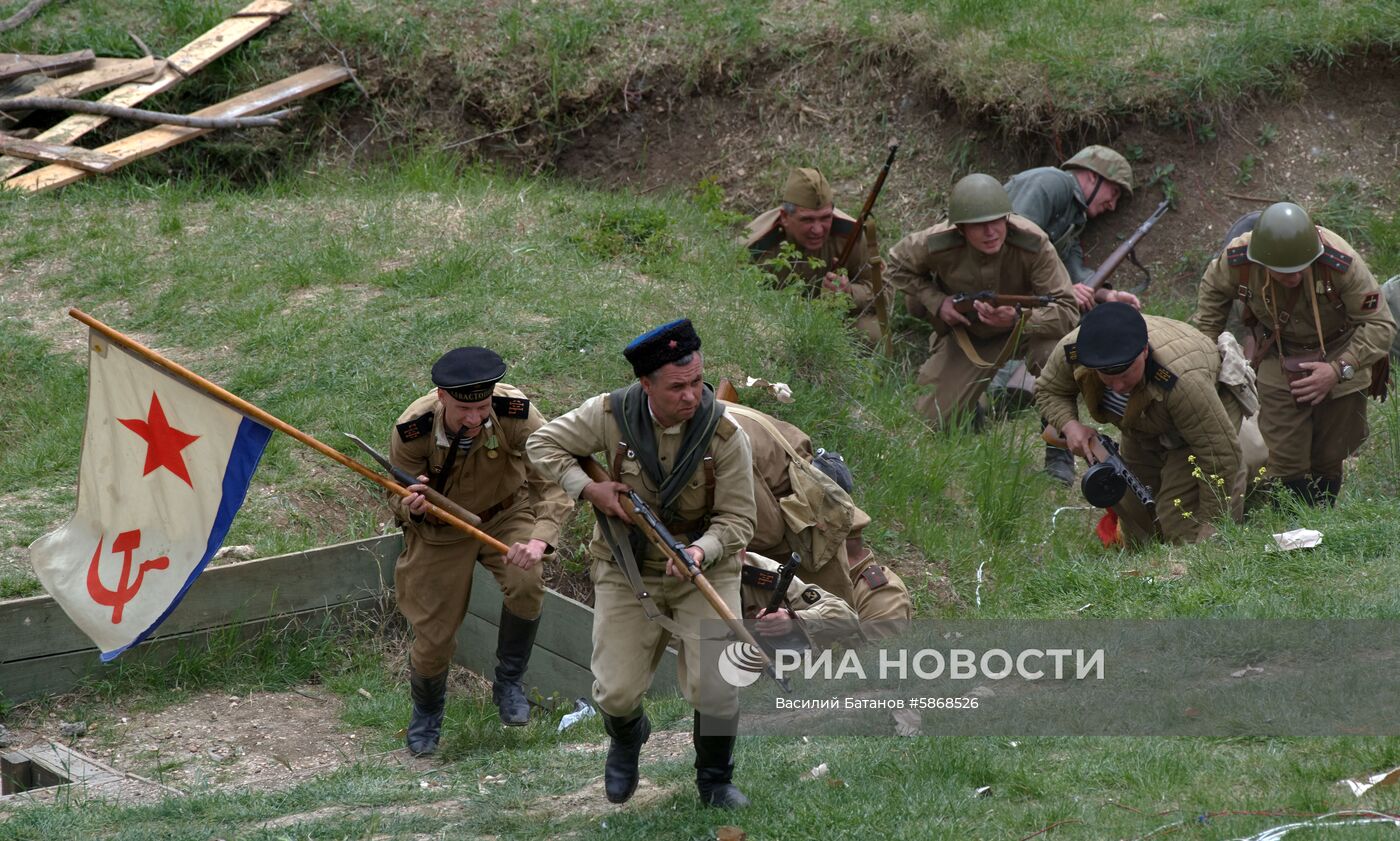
x=126, y=543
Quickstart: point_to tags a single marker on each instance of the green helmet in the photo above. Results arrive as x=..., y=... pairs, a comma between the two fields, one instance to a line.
x=977, y=198
x=1284, y=239
x=1106, y=162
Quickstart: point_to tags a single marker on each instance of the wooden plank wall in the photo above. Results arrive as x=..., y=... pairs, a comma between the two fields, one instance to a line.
x=43, y=653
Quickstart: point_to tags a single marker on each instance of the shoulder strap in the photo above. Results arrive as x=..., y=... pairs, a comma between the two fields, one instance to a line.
x=761, y=420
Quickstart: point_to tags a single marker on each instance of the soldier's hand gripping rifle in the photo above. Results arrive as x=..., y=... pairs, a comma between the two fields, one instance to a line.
x=1108, y=476
x=965, y=303
x=645, y=520
x=870, y=198
x=794, y=639
x=1126, y=251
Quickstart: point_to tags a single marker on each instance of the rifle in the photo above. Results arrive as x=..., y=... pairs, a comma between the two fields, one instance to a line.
x=963, y=303
x=1108, y=477
x=644, y=518
x=1126, y=251
x=865, y=211
x=404, y=479
x=794, y=639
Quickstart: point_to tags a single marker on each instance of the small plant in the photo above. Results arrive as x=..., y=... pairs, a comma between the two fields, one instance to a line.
x=1268, y=133
x=1205, y=132
x=1162, y=177
x=1244, y=173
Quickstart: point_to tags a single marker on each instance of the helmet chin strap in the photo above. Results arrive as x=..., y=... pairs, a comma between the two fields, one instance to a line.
x=1098, y=182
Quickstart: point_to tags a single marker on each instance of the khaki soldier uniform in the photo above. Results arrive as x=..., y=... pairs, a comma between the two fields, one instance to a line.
x=1391, y=289
x=764, y=239
x=1338, y=306
x=773, y=532
x=932, y=264
x=433, y=576
x=1176, y=413
x=717, y=517
x=822, y=617
x=881, y=598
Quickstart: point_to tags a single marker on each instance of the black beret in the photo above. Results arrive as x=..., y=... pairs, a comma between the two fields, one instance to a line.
x=1111, y=335
x=664, y=345
x=469, y=374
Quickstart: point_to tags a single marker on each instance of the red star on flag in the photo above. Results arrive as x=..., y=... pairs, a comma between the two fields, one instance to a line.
x=163, y=441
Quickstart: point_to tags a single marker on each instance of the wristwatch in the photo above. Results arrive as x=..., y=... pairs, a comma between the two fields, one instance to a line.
x=1345, y=370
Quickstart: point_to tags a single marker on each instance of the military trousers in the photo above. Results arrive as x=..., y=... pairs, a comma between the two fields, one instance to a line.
x=1305, y=439
x=627, y=646
x=1184, y=499
x=957, y=382
x=433, y=584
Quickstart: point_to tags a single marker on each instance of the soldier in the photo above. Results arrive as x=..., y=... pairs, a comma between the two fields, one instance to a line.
x=1319, y=325
x=1060, y=200
x=982, y=247
x=1391, y=289
x=809, y=220
x=466, y=440
x=667, y=438
x=878, y=594
x=809, y=611
x=1156, y=380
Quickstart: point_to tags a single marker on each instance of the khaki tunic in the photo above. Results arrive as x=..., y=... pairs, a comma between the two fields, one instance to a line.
x=433, y=576
x=824, y=617
x=771, y=534
x=1177, y=413
x=626, y=645
x=933, y=264
x=881, y=599
x=1305, y=439
x=764, y=239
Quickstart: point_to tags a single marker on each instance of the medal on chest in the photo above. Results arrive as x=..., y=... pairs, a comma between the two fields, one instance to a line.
x=493, y=444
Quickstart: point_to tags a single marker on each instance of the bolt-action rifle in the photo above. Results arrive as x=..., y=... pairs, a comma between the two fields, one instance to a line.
x=963, y=303
x=1126, y=251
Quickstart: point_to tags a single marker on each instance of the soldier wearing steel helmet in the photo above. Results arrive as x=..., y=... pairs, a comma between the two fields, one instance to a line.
x=809, y=219
x=1319, y=325
x=983, y=246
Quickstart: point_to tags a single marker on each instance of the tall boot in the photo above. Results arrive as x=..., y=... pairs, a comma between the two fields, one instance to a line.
x=1302, y=488
x=628, y=733
x=714, y=761
x=429, y=697
x=1325, y=490
x=514, y=642
x=1059, y=464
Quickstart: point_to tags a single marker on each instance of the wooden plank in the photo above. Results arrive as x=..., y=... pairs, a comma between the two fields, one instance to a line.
x=566, y=626
x=76, y=156
x=14, y=65
x=193, y=57
x=105, y=73
x=149, y=142
x=38, y=627
x=24, y=680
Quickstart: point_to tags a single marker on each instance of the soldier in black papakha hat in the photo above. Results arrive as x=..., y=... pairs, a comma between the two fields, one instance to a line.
x=667, y=438
x=1155, y=379
x=466, y=440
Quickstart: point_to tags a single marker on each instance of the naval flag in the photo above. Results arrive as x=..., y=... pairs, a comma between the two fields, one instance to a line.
x=164, y=469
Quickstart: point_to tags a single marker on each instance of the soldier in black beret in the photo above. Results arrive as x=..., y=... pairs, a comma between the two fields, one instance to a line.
x=466, y=439
x=1157, y=380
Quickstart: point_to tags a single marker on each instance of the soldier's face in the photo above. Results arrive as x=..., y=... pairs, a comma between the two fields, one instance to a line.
x=806, y=227
x=457, y=414
x=1289, y=280
x=1105, y=199
x=674, y=390
x=1125, y=381
x=986, y=237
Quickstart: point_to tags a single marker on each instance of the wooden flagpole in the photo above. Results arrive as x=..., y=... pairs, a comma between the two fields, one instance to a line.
x=241, y=405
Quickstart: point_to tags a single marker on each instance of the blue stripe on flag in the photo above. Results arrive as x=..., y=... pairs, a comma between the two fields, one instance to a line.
x=248, y=446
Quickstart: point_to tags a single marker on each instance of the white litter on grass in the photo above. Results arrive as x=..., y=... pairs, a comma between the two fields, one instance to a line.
x=816, y=773
x=977, y=594
x=781, y=391
x=582, y=710
x=1056, y=513
x=1296, y=539
x=1355, y=818
x=1365, y=784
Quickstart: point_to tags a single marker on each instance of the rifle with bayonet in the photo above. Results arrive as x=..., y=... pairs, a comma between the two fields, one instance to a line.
x=645, y=520
x=1126, y=251
x=964, y=303
x=1108, y=477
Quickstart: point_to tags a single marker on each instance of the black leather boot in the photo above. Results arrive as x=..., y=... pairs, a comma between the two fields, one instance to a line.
x=628, y=734
x=1325, y=490
x=1301, y=487
x=514, y=642
x=714, y=761
x=1059, y=464
x=429, y=697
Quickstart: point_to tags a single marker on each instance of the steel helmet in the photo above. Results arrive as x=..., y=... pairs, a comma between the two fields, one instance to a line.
x=1106, y=162
x=1284, y=239
x=978, y=198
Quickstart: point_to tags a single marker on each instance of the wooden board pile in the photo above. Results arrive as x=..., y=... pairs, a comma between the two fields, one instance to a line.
x=131, y=81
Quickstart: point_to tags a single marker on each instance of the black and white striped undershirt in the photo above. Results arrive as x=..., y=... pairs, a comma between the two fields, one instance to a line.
x=1114, y=403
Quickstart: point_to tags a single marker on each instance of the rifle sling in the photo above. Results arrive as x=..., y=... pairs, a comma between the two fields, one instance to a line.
x=965, y=342
x=618, y=535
